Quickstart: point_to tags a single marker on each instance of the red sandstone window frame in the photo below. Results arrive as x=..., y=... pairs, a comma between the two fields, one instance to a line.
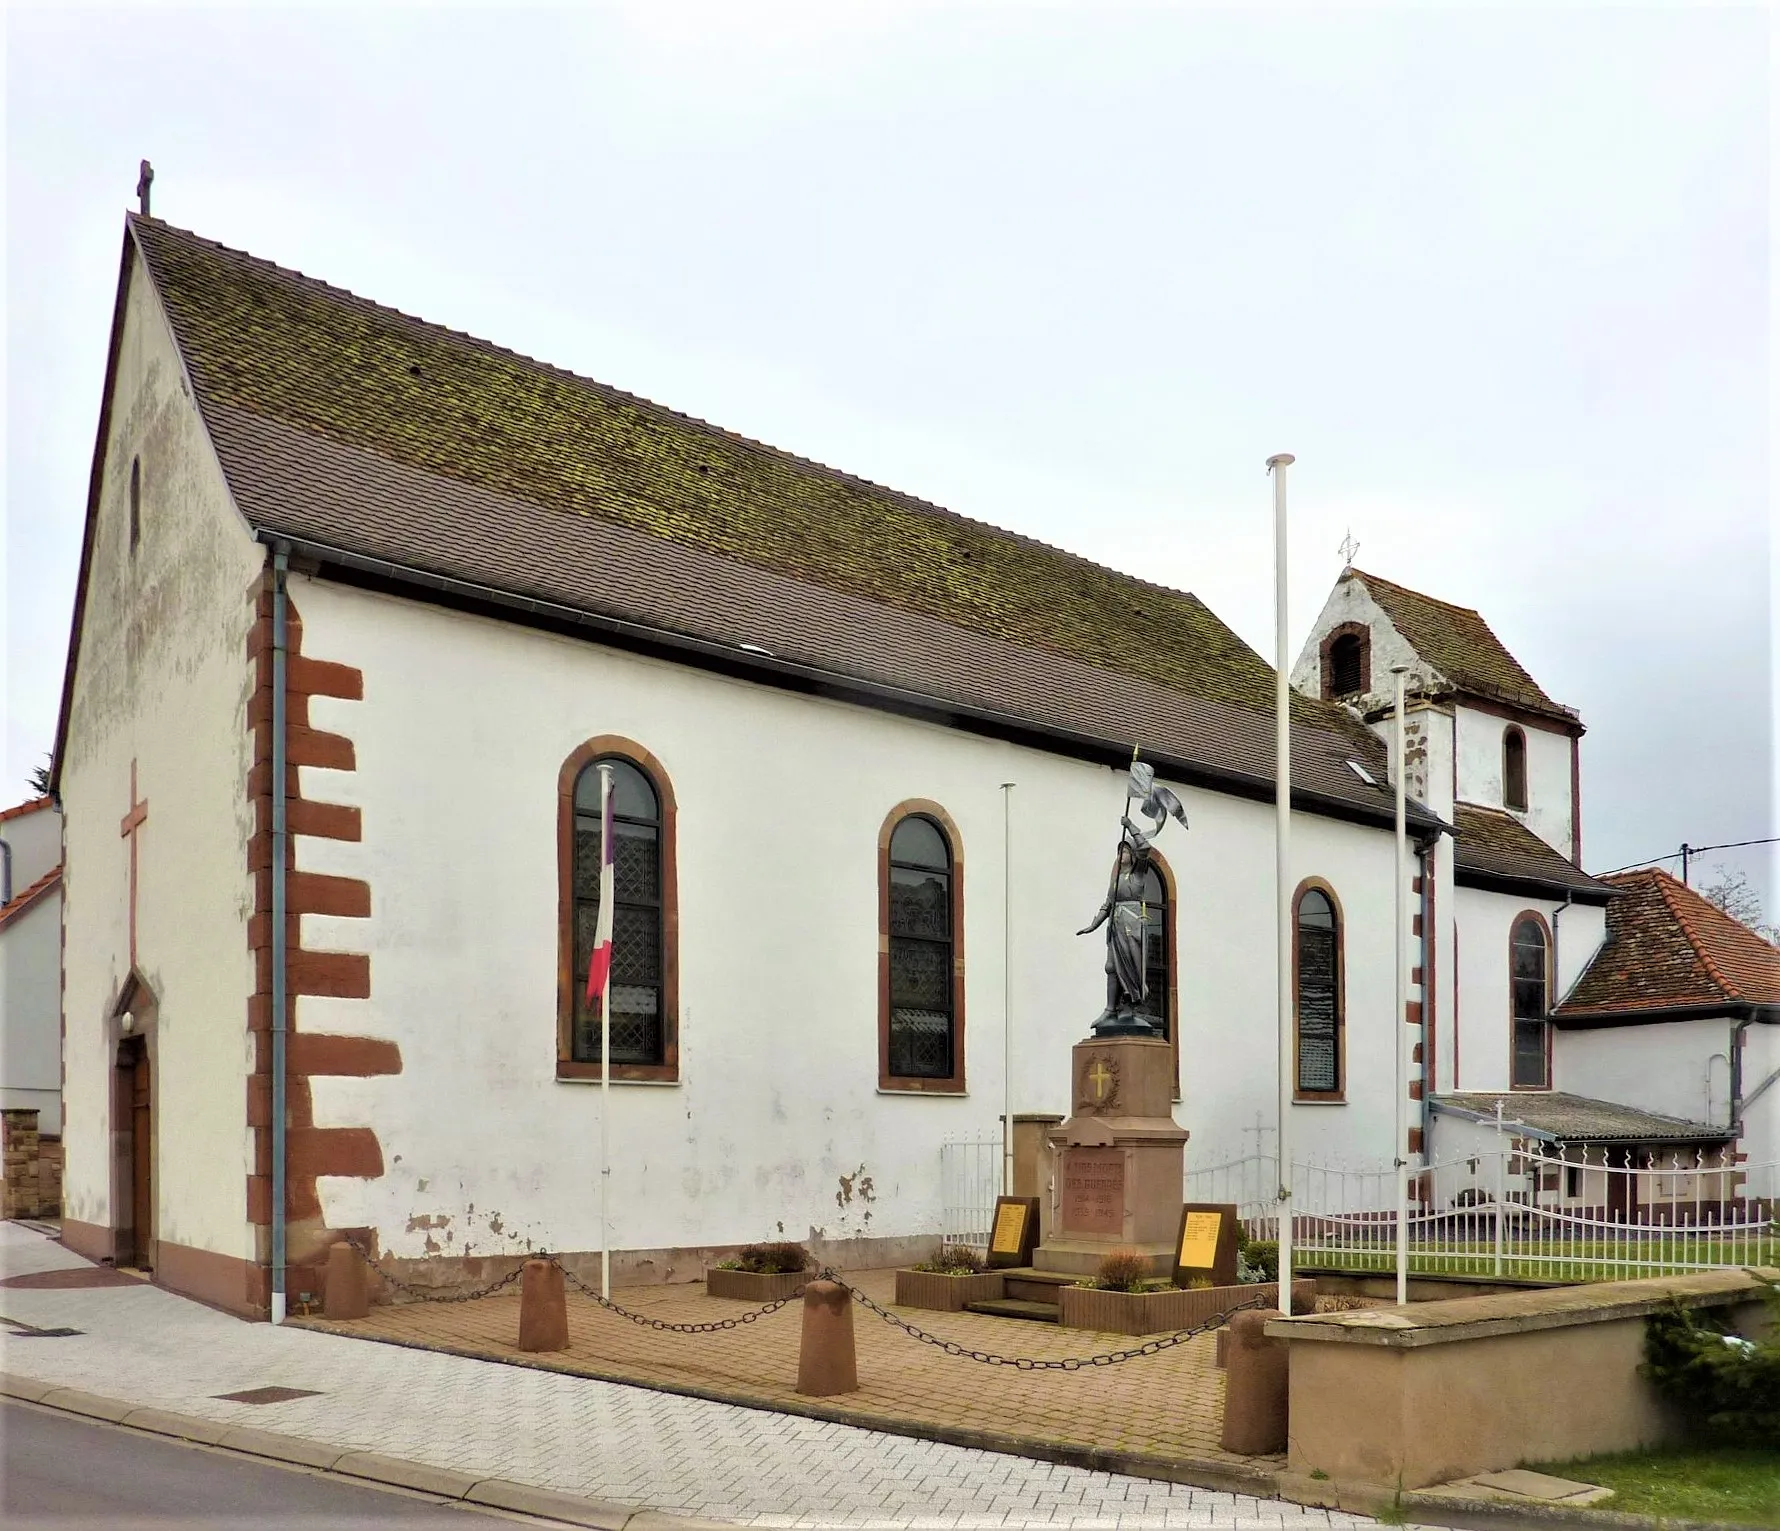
x=1362, y=634
x=901, y=1084
x=1514, y=768
x=567, y=980
x=1550, y=979
x=1337, y=1096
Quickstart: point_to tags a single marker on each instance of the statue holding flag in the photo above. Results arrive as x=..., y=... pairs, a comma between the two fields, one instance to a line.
x=1124, y=913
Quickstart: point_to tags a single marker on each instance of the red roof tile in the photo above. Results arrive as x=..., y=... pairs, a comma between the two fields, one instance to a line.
x=1668, y=947
x=23, y=901
x=34, y=805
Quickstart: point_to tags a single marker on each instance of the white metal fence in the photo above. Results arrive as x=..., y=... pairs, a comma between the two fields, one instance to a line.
x=1553, y=1212
x=970, y=1180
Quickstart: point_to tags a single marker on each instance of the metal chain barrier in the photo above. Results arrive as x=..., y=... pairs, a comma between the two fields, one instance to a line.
x=914, y=1331
x=661, y=1323
x=425, y=1294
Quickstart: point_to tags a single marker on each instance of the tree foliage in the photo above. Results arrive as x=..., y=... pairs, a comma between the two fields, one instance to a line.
x=1727, y=1387
x=1730, y=891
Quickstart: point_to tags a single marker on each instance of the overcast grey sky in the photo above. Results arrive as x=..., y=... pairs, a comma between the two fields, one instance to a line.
x=1499, y=278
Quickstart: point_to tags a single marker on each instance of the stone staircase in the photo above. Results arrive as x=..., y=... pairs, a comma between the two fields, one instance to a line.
x=1026, y=1293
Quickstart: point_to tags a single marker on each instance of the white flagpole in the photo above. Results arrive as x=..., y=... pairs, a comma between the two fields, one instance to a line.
x=1282, y=699
x=609, y=892
x=1007, y=988
x=1400, y=908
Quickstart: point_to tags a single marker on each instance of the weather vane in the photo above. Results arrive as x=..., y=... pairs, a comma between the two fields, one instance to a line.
x=1349, y=546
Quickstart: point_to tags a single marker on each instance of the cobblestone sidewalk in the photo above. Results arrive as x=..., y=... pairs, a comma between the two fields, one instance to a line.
x=681, y=1455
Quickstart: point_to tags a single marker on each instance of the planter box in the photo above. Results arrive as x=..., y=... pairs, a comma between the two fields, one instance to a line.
x=753, y=1286
x=1082, y=1307
x=946, y=1294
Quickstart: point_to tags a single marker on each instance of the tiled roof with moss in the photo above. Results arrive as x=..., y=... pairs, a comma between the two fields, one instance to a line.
x=1491, y=845
x=1668, y=947
x=1459, y=644
x=349, y=422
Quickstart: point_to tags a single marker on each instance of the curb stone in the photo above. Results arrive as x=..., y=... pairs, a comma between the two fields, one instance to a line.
x=500, y=1494
x=1502, y=1515
x=368, y=1466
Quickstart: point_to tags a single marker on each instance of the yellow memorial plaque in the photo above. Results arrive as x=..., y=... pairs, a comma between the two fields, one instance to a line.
x=1010, y=1228
x=1199, y=1240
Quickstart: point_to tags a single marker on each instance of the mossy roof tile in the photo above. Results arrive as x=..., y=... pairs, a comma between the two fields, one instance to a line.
x=346, y=421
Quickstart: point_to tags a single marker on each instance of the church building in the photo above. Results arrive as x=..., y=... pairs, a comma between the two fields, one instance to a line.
x=364, y=606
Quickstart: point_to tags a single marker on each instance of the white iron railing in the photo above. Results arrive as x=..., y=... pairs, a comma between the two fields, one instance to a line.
x=970, y=1180
x=1546, y=1212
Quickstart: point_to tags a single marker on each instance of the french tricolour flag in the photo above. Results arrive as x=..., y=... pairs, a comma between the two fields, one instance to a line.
x=599, y=968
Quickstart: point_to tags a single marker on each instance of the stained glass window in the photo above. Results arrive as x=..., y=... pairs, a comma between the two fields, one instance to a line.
x=1319, y=994
x=1155, y=950
x=921, y=958
x=1532, y=1070
x=636, y=983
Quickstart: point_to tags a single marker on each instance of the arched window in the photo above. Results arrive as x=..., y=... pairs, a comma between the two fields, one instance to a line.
x=135, y=503
x=1514, y=769
x=1345, y=668
x=1157, y=968
x=921, y=973
x=643, y=986
x=1530, y=979
x=1317, y=949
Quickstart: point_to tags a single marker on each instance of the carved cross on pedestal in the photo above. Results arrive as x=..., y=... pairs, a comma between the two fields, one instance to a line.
x=132, y=821
x=1100, y=1076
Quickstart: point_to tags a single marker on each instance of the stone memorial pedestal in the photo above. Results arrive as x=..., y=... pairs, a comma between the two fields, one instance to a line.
x=1119, y=1158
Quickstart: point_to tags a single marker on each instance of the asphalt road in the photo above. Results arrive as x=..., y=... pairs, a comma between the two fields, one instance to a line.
x=62, y=1473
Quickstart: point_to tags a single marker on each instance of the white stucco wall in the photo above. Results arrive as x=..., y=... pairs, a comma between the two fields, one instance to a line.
x=781, y=799
x=31, y=1012
x=1548, y=813
x=1677, y=1068
x=1485, y=922
x=1761, y=1119
x=162, y=678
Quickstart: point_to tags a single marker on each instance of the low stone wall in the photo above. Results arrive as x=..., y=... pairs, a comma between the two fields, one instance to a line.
x=21, y=1166
x=1339, y=1283
x=1474, y=1384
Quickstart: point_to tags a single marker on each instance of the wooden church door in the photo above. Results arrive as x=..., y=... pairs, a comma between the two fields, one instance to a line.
x=141, y=1158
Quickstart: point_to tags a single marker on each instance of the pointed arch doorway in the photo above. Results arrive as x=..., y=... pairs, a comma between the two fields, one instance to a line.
x=133, y=1128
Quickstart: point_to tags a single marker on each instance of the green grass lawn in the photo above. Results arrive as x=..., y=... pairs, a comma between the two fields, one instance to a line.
x=1584, y=1262
x=1725, y=1483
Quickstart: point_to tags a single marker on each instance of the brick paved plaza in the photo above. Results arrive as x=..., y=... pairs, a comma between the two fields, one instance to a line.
x=631, y=1445
x=1164, y=1407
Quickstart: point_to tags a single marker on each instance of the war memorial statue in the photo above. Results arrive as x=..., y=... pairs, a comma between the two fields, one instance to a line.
x=1124, y=913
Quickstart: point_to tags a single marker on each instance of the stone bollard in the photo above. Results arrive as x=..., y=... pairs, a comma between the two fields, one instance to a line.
x=1254, y=1386
x=345, y=1293
x=543, y=1307
x=825, y=1359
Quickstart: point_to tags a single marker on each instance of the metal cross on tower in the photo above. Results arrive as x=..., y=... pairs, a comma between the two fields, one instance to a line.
x=1349, y=546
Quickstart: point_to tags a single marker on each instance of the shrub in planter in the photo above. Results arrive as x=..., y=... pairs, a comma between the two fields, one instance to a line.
x=773, y=1259
x=954, y=1260
x=760, y=1273
x=1726, y=1387
x=1124, y=1270
x=1257, y=1260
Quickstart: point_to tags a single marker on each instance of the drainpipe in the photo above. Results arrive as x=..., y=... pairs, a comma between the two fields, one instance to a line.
x=5, y=873
x=1736, y=1061
x=280, y=1020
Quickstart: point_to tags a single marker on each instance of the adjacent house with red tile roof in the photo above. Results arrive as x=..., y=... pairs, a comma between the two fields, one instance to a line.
x=30, y=962
x=1624, y=1013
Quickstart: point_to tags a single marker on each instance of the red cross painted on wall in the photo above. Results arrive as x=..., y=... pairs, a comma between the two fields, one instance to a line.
x=132, y=821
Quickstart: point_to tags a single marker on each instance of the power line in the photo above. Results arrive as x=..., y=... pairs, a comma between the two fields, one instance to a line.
x=1688, y=852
